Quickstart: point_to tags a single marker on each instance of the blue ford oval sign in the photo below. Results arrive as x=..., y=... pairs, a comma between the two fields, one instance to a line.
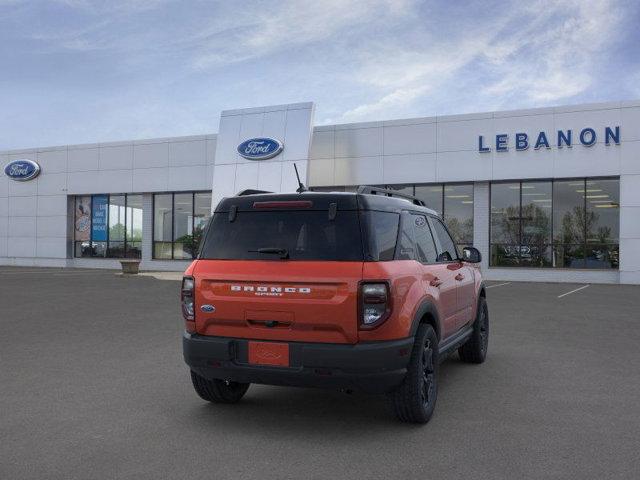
x=22, y=170
x=260, y=148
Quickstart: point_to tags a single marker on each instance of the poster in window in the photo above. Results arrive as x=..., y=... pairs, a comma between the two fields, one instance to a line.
x=99, y=218
x=83, y=219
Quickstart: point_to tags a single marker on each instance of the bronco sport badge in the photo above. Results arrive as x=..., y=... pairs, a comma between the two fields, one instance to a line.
x=273, y=291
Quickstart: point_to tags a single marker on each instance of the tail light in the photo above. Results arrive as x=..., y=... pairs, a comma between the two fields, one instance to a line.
x=188, y=284
x=375, y=304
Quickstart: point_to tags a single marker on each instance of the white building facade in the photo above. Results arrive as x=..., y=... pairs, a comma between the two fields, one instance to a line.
x=549, y=194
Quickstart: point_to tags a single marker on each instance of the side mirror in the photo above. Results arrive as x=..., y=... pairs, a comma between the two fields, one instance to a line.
x=471, y=255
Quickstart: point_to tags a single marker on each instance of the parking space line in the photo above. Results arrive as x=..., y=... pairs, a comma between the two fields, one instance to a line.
x=573, y=291
x=498, y=285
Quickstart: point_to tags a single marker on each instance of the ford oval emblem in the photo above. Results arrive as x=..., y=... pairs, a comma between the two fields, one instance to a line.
x=208, y=308
x=420, y=221
x=260, y=148
x=22, y=170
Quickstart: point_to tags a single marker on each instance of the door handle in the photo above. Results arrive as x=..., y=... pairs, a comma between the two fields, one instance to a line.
x=436, y=282
x=459, y=277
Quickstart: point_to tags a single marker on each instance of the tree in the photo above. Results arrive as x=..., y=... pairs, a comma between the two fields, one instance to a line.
x=191, y=243
x=116, y=232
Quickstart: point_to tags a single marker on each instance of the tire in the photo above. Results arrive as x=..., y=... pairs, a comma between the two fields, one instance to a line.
x=475, y=349
x=415, y=399
x=218, y=391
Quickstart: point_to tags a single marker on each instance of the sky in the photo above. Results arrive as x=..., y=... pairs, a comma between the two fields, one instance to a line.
x=80, y=71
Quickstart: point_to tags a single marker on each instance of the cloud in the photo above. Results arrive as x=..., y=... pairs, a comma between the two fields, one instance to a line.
x=398, y=98
x=407, y=76
x=121, y=69
x=542, y=53
x=555, y=63
x=287, y=25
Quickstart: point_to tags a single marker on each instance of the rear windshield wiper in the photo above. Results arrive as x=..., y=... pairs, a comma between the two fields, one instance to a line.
x=283, y=252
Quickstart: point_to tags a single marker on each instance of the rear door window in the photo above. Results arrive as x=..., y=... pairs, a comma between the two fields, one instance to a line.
x=406, y=241
x=304, y=234
x=424, y=240
x=446, y=247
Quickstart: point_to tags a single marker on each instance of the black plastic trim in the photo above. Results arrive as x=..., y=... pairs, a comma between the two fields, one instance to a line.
x=454, y=341
x=426, y=307
x=373, y=367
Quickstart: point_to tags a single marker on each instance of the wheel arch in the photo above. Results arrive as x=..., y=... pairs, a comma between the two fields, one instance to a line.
x=427, y=313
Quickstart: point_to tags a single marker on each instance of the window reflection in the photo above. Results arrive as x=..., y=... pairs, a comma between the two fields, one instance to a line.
x=505, y=224
x=201, y=213
x=134, y=226
x=535, y=243
x=179, y=221
x=458, y=212
x=603, y=211
x=162, y=225
x=108, y=226
x=431, y=195
x=116, y=226
x=183, y=225
x=565, y=224
x=603, y=223
x=569, y=223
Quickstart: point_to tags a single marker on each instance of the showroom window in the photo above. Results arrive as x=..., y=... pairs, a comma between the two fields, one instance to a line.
x=178, y=224
x=453, y=202
x=563, y=224
x=108, y=226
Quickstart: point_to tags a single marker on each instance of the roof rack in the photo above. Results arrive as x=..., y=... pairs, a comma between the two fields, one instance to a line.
x=366, y=189
x=251, y=191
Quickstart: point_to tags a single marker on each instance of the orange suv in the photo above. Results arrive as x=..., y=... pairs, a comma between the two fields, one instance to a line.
x=357, y=291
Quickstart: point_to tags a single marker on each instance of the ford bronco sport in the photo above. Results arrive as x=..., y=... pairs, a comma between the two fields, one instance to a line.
x=356, y=291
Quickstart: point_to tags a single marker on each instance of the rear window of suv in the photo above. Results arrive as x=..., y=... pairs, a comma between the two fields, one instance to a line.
x=303, y=234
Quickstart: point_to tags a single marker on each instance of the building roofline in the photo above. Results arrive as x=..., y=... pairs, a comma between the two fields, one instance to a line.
x=583, y=107
x=568, y=108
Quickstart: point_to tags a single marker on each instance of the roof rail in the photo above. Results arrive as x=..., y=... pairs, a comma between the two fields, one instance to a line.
x=250, y=191
x=366, y=189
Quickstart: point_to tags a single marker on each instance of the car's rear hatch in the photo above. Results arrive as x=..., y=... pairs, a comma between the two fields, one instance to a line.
x=278, y=300
x=283, y=267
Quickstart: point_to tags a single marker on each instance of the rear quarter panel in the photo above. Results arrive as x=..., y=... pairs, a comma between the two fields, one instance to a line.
x=407, y=291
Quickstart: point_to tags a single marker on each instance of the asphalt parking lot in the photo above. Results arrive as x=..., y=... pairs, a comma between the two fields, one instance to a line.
x=92, y=385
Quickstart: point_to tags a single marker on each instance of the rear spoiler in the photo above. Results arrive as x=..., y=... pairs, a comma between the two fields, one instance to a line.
x=251, y=191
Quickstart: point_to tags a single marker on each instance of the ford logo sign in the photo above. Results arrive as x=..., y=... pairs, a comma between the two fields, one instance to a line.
x=260, y=148
x=22, y=170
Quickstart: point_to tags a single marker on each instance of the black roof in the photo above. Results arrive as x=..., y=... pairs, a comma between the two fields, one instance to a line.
x=322, y=200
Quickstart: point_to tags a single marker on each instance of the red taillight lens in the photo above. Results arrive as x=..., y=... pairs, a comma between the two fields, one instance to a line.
x=186, y=297
x=375, y=304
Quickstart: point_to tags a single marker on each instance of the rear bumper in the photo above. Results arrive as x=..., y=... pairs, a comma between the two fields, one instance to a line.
x=373, y=367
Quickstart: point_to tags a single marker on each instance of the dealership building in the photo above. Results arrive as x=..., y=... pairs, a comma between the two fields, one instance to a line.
x=548, y=194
